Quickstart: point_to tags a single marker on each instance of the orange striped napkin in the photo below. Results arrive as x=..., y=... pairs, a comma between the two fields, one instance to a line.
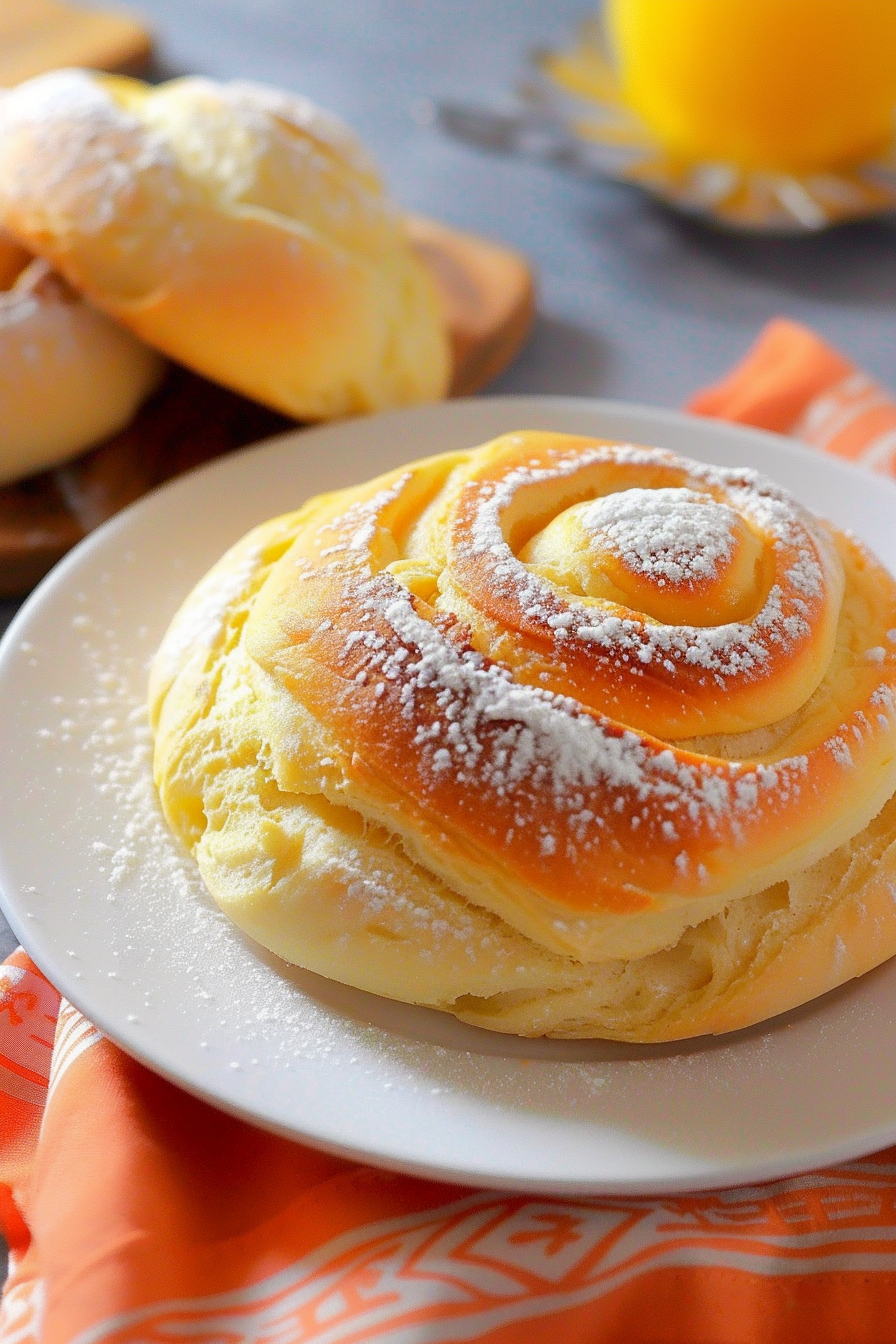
x=139, y=1215
x=794, y=382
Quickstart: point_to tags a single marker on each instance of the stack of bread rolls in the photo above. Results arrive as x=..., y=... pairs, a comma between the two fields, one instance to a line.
x=238, y=230
x=562, y=736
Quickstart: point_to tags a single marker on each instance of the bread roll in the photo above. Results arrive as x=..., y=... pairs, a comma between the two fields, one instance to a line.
x=69, y=377
x=237, y=229
x=563, y=736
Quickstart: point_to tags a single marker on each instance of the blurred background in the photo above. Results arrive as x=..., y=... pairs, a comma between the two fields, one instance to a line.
x=635, y=302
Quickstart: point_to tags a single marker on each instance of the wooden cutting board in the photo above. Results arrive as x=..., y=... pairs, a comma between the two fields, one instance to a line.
x=487, y=294
x=39, y=35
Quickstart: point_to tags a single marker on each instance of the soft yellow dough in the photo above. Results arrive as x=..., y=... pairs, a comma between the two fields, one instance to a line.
x=313, y=873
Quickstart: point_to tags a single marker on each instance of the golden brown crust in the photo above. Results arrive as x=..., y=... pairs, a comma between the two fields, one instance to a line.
x=239, y=230
x=556, y=869
x=589, y=835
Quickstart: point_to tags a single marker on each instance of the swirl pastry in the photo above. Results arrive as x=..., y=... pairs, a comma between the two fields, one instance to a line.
x=563, y=736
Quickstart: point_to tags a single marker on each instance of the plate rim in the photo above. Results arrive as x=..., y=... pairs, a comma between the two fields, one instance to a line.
x=131, y=1042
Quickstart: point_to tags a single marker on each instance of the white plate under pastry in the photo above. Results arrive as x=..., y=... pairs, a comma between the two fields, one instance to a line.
x=114, y=912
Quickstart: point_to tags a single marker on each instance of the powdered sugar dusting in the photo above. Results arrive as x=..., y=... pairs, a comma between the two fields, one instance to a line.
x=883, y=695
x=97, y=150
x=174, y=967
x=499, y=734
x=840, y=751
x=201, y=621
x=79, y=159
x=733, y=649
x=673, y=536
x=471, y=722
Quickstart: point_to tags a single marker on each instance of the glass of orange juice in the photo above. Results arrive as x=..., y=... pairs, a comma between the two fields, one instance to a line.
x=789, y=85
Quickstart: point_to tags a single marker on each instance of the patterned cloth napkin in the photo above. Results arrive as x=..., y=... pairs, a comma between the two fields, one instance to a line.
x=139, y=1215
x=794, y=382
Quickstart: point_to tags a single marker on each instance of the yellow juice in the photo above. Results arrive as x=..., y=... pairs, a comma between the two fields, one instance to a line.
x=779, y=84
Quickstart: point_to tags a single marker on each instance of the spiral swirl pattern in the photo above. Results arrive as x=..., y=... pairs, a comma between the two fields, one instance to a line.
x=598, y=690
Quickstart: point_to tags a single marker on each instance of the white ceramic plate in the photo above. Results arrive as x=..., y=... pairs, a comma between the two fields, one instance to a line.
x=112, y=911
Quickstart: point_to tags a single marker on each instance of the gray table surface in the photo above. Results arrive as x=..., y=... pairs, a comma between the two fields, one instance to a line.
x=634, y=302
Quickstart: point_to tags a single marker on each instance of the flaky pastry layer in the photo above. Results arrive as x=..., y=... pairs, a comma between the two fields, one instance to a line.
x=393, y=776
